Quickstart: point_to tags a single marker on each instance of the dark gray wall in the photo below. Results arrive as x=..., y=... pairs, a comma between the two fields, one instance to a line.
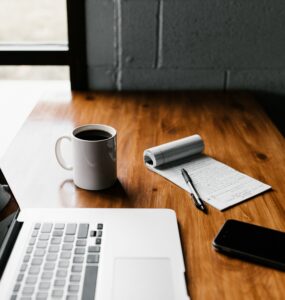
x=186, y=44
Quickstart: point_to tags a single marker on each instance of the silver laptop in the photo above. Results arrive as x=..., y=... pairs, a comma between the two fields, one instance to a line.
x=102, y=254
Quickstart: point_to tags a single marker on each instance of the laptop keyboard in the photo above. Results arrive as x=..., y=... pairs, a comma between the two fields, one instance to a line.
x=60, y=262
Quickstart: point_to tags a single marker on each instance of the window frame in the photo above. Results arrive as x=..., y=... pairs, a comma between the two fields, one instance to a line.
x=72, y=54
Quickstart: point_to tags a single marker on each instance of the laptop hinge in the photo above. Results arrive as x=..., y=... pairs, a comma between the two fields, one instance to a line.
x=9, y=242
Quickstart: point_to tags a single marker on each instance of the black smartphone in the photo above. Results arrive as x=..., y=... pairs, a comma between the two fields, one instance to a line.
x=252, y=243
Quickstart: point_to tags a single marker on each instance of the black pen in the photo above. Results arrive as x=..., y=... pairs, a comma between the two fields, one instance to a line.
x=193, y=192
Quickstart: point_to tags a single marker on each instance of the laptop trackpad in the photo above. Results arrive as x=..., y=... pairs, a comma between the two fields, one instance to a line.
x=143, y=278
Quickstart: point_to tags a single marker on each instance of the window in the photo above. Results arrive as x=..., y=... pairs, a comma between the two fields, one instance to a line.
x=34, y=32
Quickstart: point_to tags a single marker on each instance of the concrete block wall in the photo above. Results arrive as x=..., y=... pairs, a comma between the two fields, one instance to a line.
x=186, y=44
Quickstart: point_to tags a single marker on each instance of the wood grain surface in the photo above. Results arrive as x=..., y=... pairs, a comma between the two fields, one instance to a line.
x=236, y=131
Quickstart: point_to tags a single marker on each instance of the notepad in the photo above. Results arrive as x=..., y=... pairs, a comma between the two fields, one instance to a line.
x=218, y=184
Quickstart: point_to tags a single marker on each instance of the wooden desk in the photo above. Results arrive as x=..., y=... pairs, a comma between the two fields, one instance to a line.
x=236, y=131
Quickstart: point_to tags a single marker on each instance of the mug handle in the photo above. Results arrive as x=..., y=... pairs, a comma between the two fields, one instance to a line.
x=58, y=153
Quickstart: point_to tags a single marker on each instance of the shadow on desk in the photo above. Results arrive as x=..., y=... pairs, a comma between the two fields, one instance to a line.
x=274, y=105
x=72, y=196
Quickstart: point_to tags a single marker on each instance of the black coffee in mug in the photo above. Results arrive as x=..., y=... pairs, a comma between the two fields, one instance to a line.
x=93, y=135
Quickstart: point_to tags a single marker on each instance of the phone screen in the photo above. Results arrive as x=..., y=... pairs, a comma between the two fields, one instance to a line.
x=252, y=241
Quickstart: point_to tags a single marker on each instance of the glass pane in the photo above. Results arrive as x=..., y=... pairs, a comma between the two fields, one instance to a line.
x=34, y=73
x=33, y=21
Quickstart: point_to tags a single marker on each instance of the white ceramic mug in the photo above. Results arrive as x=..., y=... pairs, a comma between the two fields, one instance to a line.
x=94, y=159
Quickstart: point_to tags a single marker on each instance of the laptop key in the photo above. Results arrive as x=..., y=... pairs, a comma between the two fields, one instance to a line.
x=55, y=240
x=13, y=297
x=42, y=244
x=17, y=287
x=35, y=233
x=34, y=270
x=98, y=241
x=44, y=285
x=61, y=273
x=78, y=259
x=69, y=239
x=29, y=250
x=73, y=288
x=44, y=236
x=49, y=266
x=94, y=249
x=51, y=257
x=83, y=231
x=79, y=250
x=26, y=258
x=71, y=297
x=70, y=229
x=41, y=296
x=92, y=233
x=53, y=249
x=20, y=277
x=99, y=233
x=32, y=241
x=76, y=268
x=36, y=261
x=89, y=284
x=47, y=275
x=31, y=280
x=46, y=228
x=65, y=255
x=100, y=226
x=57, y=233
x=23, y=267
x=28, y=290
x=67, y=246
x=91, y=258
x=63, y=264
x=81, y=243
x=37, y=226
x=59, y=226
x=57, y=293
x=59, y=282
x=75, y=278
x=40, y=252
